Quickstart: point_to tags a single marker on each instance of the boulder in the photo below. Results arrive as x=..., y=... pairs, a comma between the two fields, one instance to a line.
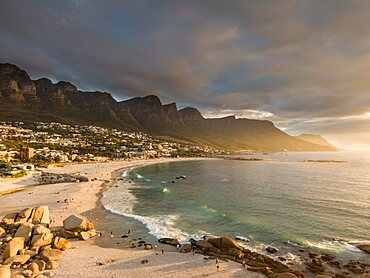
x=34, y=267
x=27, y=273
x=5, y=271
x=42, y=240
x=17, y=273
x=77, y=223
x=41, y=215
x=186, y=248
x=17, y=260
x=25, y=215
x=148, y=247
x=271, y=250
x=9, y=218
x=13, y=246
x=2, y=232
x=51, y=255
x=13, y=225
x=68, y=234
x=51, y=265
x=41, y=264
x=82, y=178
x=35, y=249
x=203, y=245
x=224, y=243
x=47, y=247
x=356, y=269
x=31, y=253
x=169, y=241
x=88, y=234
x=316, y=267
x=40, y=229
x=25, y=231
x=364, y=247
x=235, y=253
x=62, y=243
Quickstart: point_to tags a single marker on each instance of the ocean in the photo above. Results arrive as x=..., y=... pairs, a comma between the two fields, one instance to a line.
x=281, y=199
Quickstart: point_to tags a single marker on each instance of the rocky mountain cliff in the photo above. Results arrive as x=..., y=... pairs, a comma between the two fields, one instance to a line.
x=23, y=99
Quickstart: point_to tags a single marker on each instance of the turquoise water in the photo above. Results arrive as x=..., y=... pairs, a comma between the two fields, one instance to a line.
x=269, y=202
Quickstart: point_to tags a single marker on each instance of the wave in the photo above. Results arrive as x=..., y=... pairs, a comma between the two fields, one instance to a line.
x=293, y=243
x=125, y=173
x=335, y=246
x=141, y=177
x=209, y=209
x=242, y=238
x=121, y=201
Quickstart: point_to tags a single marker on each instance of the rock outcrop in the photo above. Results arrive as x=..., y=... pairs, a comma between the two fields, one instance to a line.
x=225, y=248
x=169, y=241
x=76, y=223
x=28, y=246
x=364, y=246
x=48, y=178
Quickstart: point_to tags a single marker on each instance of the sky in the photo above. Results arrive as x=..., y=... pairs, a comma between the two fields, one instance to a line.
x=305, y=65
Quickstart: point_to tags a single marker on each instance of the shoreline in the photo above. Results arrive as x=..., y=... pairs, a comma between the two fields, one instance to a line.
x=119, y=260
x=64, y=199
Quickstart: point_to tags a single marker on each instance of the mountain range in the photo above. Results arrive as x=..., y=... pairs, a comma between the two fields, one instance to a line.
x=24, y=99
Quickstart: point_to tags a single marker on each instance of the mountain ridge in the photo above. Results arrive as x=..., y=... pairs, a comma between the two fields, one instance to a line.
x=24, y=99
x=316, y=139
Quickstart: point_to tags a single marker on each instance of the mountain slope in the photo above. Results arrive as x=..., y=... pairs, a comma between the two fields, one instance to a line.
x=23, y=99
x=316, y=139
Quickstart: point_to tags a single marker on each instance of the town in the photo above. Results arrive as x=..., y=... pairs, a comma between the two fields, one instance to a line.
x=26, y=145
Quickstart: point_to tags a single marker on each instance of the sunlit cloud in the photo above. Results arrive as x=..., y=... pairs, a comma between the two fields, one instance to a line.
x=248, y=113
x=302, y=64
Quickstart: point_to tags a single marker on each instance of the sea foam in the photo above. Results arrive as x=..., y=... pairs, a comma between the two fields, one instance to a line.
x=332, y=246
x=121, y=201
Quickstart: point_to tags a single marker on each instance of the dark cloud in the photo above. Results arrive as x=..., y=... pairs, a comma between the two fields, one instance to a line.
x=290, y=60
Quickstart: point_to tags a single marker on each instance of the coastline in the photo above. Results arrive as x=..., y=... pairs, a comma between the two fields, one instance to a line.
x=81, y=260
x=114, y=253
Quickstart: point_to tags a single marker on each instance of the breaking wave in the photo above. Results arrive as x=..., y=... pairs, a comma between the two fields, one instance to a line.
x=121, y=201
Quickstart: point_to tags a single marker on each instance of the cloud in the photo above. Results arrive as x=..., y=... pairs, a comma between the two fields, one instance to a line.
x=291, y=60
